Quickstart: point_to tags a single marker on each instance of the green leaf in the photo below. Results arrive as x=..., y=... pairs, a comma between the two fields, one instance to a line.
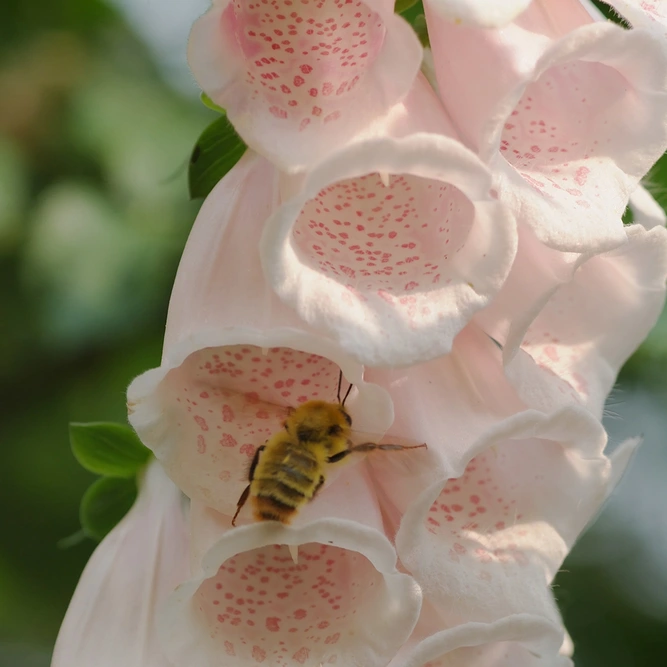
x=217, y=150
x=208, y=102
x=420, y=27
x=403, y=5
x=108, y=449
x=105, y=503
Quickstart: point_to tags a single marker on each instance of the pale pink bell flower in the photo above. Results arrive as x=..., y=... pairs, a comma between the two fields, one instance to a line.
x=394, y=242
x=298, y=78
x=572, y=118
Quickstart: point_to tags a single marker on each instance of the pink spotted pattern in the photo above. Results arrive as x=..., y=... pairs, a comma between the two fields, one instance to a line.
x=225, y=402
x=558, y=135
x=484, y=519
x=305, y=57
x=394, y=239
x=263, y=608
x=655, y=12
x=564, y=360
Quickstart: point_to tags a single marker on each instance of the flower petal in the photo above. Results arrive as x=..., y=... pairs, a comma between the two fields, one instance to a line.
x=553, y=120
x=299, y=79
x=465, y=53
x=519, y=640
x=645, y=210
x=477, y=396
x=110, y=620
x=481, y=13
x=343, y=603
x=391, y=245
x=537, y=273
x=568, y=154
x=592, y=324
x=493, y=538
x=562, y=148
x=648, y=15
x=230, y=367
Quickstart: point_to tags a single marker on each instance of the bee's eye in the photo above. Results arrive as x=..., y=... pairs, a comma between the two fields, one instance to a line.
x=334, y=430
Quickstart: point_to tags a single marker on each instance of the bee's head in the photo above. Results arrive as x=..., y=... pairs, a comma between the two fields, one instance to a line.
x=317, y=421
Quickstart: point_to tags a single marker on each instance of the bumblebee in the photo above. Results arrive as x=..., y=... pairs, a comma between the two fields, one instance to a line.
x=289, y=470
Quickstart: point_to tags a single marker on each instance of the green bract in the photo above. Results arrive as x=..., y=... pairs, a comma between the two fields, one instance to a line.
x=114, y=451
x=217, y=150
x=108, y=449
x=105, y=503
x=403, y=5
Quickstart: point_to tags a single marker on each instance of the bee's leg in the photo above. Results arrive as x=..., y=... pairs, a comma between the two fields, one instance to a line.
x=251, y=476
x=255, y=460
x=318, y=487
x=369, y=447
x=241, y=503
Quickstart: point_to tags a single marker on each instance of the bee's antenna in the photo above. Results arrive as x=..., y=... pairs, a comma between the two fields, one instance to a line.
x=340, y=380
x=347, y=393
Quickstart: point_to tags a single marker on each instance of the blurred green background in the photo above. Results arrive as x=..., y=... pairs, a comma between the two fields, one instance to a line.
x=98, y=115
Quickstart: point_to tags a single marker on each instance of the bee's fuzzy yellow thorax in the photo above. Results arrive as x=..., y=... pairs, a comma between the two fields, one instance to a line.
x=319, y=421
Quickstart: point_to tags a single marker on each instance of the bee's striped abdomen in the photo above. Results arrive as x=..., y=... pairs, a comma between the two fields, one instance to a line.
x=284, y=484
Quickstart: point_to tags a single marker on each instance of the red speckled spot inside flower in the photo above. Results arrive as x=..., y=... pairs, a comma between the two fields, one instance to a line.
x=388, y=240
x=558, y=135
x=304, y=57
x=264, y=607
x=479, y=515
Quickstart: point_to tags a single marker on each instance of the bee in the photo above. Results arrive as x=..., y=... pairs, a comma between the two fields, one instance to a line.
x=291, y=467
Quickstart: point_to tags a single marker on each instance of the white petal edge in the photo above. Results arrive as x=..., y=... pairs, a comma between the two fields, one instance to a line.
x=540, y=638
x=377, y=335
x=185, y=638
x=646, y=210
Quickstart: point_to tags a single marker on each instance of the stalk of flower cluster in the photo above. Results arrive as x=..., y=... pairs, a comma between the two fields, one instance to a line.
x=458, y=257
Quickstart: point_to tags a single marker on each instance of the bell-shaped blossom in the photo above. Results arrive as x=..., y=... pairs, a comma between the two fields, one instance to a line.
x=488, y=543
x=549, y=293
x=299, y=78
x=553, y=120
x=393, y=243
x=593, y=323
x=519, y=640
x=342, y=602
x=111, y=619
